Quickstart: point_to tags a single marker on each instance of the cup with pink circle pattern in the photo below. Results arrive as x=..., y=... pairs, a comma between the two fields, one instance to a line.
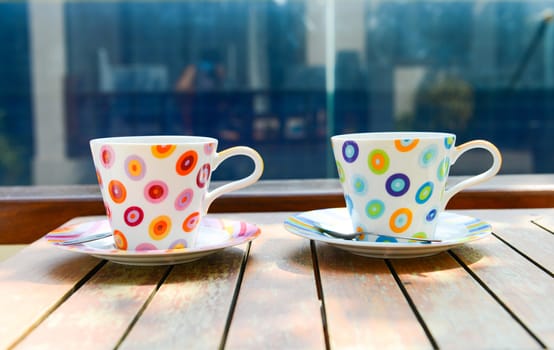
x=156, y=188
x=394, y=183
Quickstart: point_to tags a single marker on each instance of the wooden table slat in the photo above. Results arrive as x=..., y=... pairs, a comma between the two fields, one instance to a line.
x=190, y=309
x=32, y=284
x=523, y=287
x=364, y=305
x=530, y=239
x=96, y=316
x=492, y=293
x=546, y=221
x=451, y=302
x=277, y=306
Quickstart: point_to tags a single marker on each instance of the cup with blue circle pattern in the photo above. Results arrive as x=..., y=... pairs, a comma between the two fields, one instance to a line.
x=394, y=183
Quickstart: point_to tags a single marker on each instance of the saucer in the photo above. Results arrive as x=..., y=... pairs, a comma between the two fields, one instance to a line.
x=452, y=229
x=215, y=234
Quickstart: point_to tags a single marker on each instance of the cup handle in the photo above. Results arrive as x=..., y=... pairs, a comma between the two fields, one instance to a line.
x=493, y=170
x=238, y=184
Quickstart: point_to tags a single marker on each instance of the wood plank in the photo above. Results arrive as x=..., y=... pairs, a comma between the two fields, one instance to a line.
x=364, y=305
x=277, y=307
x=459, y=313
x=546, y=221
x=517, y=229
x=190, y=309
x=33, y=282
x=524, y=288
x=96, y=315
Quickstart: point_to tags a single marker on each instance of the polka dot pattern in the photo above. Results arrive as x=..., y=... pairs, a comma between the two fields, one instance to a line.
x=350, y=151
x=186, y=163
x=209, y=148
x=406, y=145
x=375, y=209
x=443, y=168
x=400, y=220
x=120, y=240
x=156, y=191
x=107, y=156
x=424, y=193
x=160, y=227
x=203, y=176
x=378, y=161
x=135, y=167
x=154, y=194
x=191, y=222
x=133, y=216
x=394, y=186
x=184, y=199
x=397, y=184
x=428, y=156
x=117, y=191
x=163, y=151
x=359, y=185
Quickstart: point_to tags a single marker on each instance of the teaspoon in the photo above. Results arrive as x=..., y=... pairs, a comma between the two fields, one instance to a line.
x=350, y=236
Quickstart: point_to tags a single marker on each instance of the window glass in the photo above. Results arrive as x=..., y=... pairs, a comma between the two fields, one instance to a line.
x=281, y=76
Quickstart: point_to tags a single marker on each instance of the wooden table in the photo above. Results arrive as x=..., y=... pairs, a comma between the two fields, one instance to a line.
x=285, y=292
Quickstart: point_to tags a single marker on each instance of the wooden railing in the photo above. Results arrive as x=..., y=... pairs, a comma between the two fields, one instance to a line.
x=29, y=212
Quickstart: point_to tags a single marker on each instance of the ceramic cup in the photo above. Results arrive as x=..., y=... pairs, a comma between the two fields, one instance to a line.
x=155, y=188
x=395, y=183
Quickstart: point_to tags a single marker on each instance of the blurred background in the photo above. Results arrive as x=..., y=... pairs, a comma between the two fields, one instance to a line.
x=281, y=76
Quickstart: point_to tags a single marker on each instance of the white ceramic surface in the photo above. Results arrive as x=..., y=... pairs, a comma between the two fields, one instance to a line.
x=395, y=183
x=452, y=229
x=214, y=235
x=156, y=189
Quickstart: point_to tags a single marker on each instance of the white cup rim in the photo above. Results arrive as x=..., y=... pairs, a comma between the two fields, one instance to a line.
x=392, y=135
x=154, y=139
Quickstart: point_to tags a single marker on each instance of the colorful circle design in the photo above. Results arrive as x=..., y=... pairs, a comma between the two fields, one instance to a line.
x=186, y=163
x=107, y=156
x=203, y=176
x=431, y=215
x=155, y=191
x=406, y=145
x=449, y=142
x=184, y=199
x=359, y=185
x=419, y=235
x=428, y=156
x=135, y=167
x=117, y=191
x=442, y=171
x=120, y=240
x=424, y=192
x=178, y=244
x=108, y=212
x=191, y=222
x=350, y=151
x=144, y=247
x=99, y=178
x=209, y=148
x=386, y=239
x=159, y=227
x=378, y=161
x=400, y=220
x=349, y=204
x=375, y=209
x=133, y=216
x=340, y=170
x=397, y=185
x=163, y=151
